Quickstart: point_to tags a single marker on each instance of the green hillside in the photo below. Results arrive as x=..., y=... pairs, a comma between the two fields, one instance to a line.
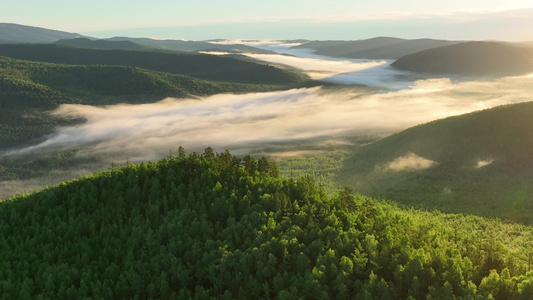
x=29, y=89
x=210, y=67
x=477, y=163
x=212, y=225
x=470, y=58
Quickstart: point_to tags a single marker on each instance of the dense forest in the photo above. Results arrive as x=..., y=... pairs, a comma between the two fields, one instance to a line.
x=477, y=163
x=213, y=225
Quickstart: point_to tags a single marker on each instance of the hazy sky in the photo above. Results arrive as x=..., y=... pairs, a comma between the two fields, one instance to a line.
x=277, y=19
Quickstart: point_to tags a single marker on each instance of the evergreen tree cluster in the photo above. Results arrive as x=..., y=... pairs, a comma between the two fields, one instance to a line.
x=212, y=225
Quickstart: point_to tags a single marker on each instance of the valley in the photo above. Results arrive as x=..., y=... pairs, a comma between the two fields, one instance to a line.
x=379, y=168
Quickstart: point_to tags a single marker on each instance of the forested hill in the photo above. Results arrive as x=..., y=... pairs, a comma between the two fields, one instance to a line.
x=101, y=44
x=476, y=163
x=28, y=89
x=374, y=48
x=204, y=66
x=212, y=225
x=195, y=46
x=470, y=58
x=125, y=43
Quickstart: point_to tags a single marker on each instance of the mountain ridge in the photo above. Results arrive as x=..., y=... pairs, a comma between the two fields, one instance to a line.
x=101, y=44
x=204, y=66
x=16, y=33
x=193, y=46
x=373, y=48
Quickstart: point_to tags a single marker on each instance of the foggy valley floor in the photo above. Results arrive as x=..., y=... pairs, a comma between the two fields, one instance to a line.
x=360, y=101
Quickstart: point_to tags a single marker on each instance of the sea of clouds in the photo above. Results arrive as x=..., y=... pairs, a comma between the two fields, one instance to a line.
x=391, y=101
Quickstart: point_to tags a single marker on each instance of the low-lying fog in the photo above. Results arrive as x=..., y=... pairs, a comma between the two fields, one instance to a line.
x=242, y=123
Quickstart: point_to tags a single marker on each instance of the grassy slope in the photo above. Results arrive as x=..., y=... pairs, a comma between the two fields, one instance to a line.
x=501, y=189
x=202, y=226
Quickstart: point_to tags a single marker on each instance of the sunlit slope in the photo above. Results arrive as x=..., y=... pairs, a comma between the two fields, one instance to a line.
x=478, y=163
x=216, y=226
x=374, y=48
x=30, y=88
x=202, y=66
x=470, y=58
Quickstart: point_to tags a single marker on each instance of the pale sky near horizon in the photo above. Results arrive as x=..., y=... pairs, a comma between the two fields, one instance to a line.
x=510, y=20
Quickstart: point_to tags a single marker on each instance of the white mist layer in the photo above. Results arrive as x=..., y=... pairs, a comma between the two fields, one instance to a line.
x=349, y=71
x=242, y=123
x=376, y=73
x=271, y=45
x=484, y=163
x=408, y=162
x=319, y=68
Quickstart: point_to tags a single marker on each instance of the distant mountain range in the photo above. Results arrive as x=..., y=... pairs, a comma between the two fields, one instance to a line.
x=471, y=58
x=375, y=48
x=101, y=44
x=418, y=55
x=14, y=33
x=194, y=46
x=211, y=67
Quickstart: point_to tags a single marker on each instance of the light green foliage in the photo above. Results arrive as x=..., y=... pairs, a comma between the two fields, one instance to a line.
x=212, y=225
x=322, y=166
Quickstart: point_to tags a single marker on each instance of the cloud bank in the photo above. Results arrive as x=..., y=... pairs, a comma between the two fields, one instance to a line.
x=408, y=162
x=242, y=123
x=319, y=68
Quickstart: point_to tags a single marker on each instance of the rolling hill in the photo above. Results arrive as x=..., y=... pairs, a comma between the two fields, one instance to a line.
x=470, y=58
x=101, y=44
x=192, y=46
x=29, y=89
x=14, y=33
x=477, y=163
x=215, y=226
x=375, y=48
x=210, y=67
